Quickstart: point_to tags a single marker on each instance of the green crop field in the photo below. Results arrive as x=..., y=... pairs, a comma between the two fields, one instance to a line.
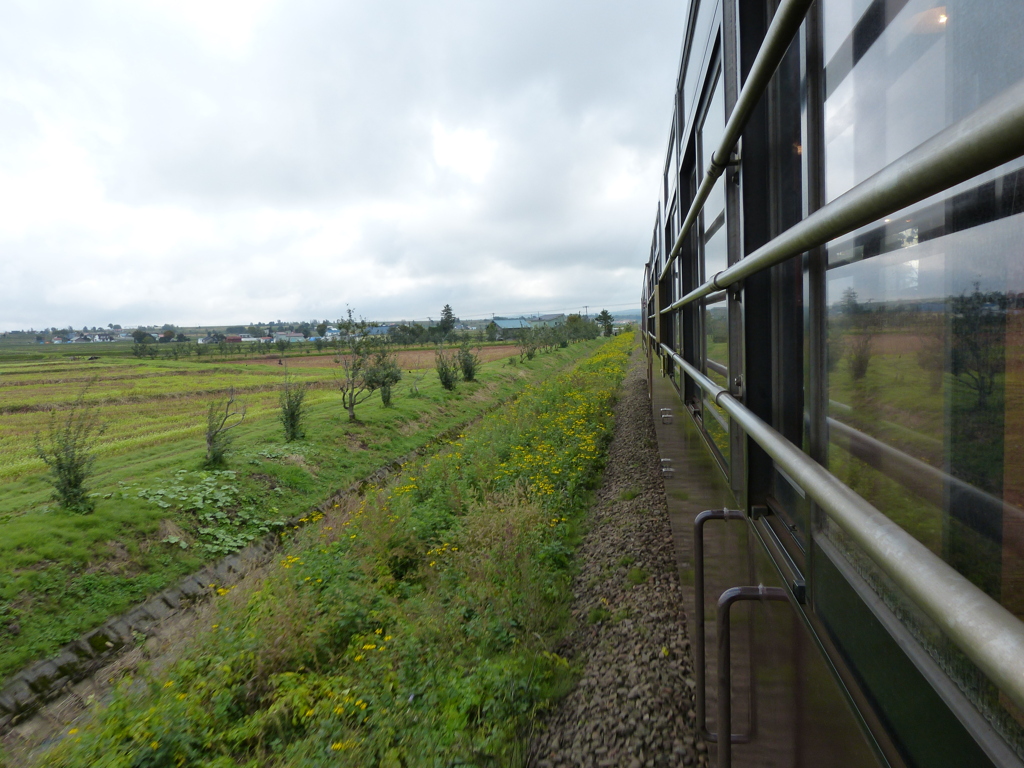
x=158, y=516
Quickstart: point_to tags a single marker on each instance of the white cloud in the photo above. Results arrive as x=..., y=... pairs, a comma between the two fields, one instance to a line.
x=201, y=161
x=467, y=152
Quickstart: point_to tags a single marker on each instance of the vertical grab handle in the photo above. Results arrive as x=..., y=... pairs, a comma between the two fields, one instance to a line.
x=725, y=602
x=698, y=599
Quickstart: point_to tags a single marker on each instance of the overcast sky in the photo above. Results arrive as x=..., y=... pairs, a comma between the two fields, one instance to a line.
x=229, y=161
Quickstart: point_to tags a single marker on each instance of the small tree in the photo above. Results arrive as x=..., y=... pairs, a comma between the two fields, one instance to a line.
x=860, y=356
x=468, y=362
x=356, y=351
x=223, y=416
x=447, y=322
x=978, y=354
x=605, y=320
x=527, y=344
x=414, y=385
x=383, y=374
x=447, y=365
x=292, y=396
x=69, y=452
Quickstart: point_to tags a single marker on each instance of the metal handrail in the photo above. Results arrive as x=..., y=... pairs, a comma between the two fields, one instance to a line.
x=785, y=24
x=991, y=135
x=987, y=633
x=699, y=651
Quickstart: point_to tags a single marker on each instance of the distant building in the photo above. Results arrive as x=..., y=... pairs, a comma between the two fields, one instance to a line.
x=548, y=321
x=508, y=325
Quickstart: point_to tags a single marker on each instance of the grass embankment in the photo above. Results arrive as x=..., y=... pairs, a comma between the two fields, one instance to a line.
x=157, y=517
x=414, y=629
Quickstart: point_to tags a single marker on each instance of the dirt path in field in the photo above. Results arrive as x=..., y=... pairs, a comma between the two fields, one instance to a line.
x=408, y=359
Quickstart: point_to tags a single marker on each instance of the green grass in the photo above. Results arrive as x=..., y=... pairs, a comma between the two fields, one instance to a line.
x=636, y=576
x=155, y=412
x=413, y=627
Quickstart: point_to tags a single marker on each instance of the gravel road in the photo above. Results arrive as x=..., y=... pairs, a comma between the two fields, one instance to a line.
x=633, y=705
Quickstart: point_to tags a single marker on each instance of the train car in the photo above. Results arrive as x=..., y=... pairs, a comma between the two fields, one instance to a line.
x=834, y=308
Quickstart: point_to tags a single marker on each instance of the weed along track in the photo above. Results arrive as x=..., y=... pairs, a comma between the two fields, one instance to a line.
x=417, y=623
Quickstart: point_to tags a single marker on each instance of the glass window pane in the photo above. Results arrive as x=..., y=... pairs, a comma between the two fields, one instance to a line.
x=715, y=204
x=893, y=83
x=716, y=366
x=925, y=384
x=716, y=252
x=702, y=38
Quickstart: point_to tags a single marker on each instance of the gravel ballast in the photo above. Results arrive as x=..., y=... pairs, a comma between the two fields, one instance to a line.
x=633, y=705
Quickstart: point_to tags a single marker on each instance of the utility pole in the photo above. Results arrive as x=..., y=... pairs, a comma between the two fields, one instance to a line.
x=586, y=311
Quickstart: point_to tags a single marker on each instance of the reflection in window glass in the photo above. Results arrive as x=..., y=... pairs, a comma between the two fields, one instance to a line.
x=716, y=254
x=925, y=310
x=893, y=80
x=715, y=258
x=702, y=39
x=716, y=357
x=925, y=347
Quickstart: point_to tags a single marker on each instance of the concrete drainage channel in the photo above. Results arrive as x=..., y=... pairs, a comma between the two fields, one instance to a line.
x=68, y=675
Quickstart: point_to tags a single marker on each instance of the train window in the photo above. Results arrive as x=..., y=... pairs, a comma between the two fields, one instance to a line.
x=714, y=258
x=789, y=287
x=925, y=309
x=700, y=46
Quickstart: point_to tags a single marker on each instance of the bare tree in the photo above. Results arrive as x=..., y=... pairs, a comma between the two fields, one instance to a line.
x=357, y=381
x=224, y=415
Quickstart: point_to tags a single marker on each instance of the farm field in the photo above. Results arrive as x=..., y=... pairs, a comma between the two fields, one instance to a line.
x=418, y=625
x=408, y=359
x=158, y=517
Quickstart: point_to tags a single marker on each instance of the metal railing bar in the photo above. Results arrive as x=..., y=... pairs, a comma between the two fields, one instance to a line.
x=717, y=367
x=711, y=298
x=988, y=137
x=714, y=298
x=777, y=39
x=987, y=633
